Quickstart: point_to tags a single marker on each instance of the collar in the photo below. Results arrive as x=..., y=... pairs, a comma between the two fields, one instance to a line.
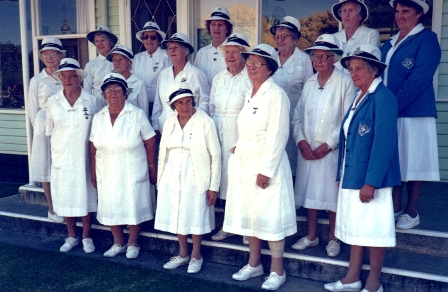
x=157, y=52
x=243, y=72
x=132, y=78
x=374, y=85
x=417, y=29
x=354, y=36
x=127, y=108
x=102, y=58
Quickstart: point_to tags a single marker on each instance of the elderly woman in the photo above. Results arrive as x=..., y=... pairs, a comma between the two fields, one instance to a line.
x=189, y=174
x=42, y=86
x=326, y=97
x=412, y=57
x=209, y=59
x=148, y=64
x=69, y=117
x=179, y=50
x=352, y=14
x=260, y=198
x=226, y=101
x=104, y=40
x=122, y=164
x=294, y=70
x=121, y=58
x=368, y=169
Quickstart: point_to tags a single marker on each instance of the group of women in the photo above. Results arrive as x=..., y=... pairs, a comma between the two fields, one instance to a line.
x=240, y=124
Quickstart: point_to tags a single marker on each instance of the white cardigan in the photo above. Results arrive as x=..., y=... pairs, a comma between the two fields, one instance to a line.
x=205, y=151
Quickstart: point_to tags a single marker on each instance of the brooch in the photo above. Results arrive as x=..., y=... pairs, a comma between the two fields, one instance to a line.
x=408, y=63
x=363, y=129
x=183, y=79
x=86, y=114
x=255, y=110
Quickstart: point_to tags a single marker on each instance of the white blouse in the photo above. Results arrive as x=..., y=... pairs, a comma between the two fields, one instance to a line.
x=210, y=60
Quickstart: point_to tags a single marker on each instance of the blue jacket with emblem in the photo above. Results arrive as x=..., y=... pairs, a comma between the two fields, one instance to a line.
x=411, y=71
x=371, y=148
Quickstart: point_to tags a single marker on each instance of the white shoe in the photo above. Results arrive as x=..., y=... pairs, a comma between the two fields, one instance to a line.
x=338, y=286
x=132, y=251
x=88, y=245
x=70, y=243
x=379, y=290
x=246, y=240
x=407, y=222
x=398, y=214
x=221, y=235
x=55, y=218
x=305, y=242
x=194, y=266
x=176, y=262
x=248, y=272
x=114, y=250
x=334, y=247
x=274, y=281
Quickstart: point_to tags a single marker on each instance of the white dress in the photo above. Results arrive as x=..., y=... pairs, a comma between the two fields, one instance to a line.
x=210, y=60
x=226, y=101
x=181, y=210
x=263, y=128
x=137, y=95
x=357, y=223
x=96, y=70
x=72, y=191
x=148, y=67
x=122, y=167
x=292, y=77
x=42, y=86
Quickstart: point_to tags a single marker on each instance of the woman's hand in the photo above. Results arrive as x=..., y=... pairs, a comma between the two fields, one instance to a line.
x=321, y=151
x=152, y=173
x=366, y=193
x=306, y=151
x=211, y=197
x=262, y=181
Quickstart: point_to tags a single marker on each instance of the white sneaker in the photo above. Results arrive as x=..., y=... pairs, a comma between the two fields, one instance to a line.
x=88, y=245
x=246, y=240
x=398, y=214
x=407, y=222
x=274, y=281
x=333, y=247
x=55, y=217
x=338, y=286
x=70, y=243
x=248, y=272
x=221, y=235
x=114, y=250
x=132, y=251
x=195, y=265
x=305, y=242
x=176, y=262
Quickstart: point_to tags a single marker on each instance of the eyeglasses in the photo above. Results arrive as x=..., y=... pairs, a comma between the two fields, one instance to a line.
x=50, y=54
x=116, y=89
x=323, y=58
x=282, y=37
x=257, y=64
x=62, y=77
x=152, y=37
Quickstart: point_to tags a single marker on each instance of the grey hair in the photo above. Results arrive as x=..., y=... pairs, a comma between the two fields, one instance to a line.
x=102, y=34
x=187, y=51
x=294, y=35
x=370, y=66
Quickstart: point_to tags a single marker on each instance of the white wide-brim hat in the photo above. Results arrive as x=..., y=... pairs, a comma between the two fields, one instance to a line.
x=326, y=42
x=102, y=29
x=122, y=50
x=50, y=43
x=289, y=22
x=180, y=38
x=179, y=90
x=337, y=6
x=221, y=13
x=150, y=26
x=421, y=3
x=266, y=51
x=235, y=39
x=69, y=64
x=114, y=78
x=367, y=52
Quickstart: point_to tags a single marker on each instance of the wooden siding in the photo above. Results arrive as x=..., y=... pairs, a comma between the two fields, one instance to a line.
x=13, y=132
x=442, y=91
x=442, y=139
x=113, y=16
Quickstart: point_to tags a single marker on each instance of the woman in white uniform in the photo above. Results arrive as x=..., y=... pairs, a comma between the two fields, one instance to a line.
x=179, y=50
x=209, y=58
x=226, y=101
x=148, y=64
x=122, y=164
x=260, y=198
x=368, y=168
x=294, y=70
x=189, y=175
x=326, y=97
x=42, y=86
x=69, y=118
x=104, y=40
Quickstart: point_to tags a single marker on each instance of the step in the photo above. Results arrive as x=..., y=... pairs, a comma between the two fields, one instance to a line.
x=403, y=270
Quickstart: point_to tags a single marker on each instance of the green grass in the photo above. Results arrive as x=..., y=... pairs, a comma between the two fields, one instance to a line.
x=9, y=189
x=24, y=269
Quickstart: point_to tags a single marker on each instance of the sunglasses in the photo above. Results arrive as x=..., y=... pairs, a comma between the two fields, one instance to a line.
x=152, y=37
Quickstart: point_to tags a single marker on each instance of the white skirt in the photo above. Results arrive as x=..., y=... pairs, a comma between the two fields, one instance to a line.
x=418, y=149
x=40, y=162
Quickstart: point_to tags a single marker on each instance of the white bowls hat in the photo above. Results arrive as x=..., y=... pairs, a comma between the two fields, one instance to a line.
x=266, y=51
x=150, y=26
x=221, y=13
x=50, y=43
x=114, y=78
x=337, y=6
x=326, y=42
x=122, y=50
x=69, y=64
x=367, y=52
x=289, y=22
x=102, y=29
x=235, y=39
x=181, y=38
x=422, y=3
x=179, y=90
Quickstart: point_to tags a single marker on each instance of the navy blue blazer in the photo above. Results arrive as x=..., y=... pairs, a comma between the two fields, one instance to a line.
x=371, y=148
